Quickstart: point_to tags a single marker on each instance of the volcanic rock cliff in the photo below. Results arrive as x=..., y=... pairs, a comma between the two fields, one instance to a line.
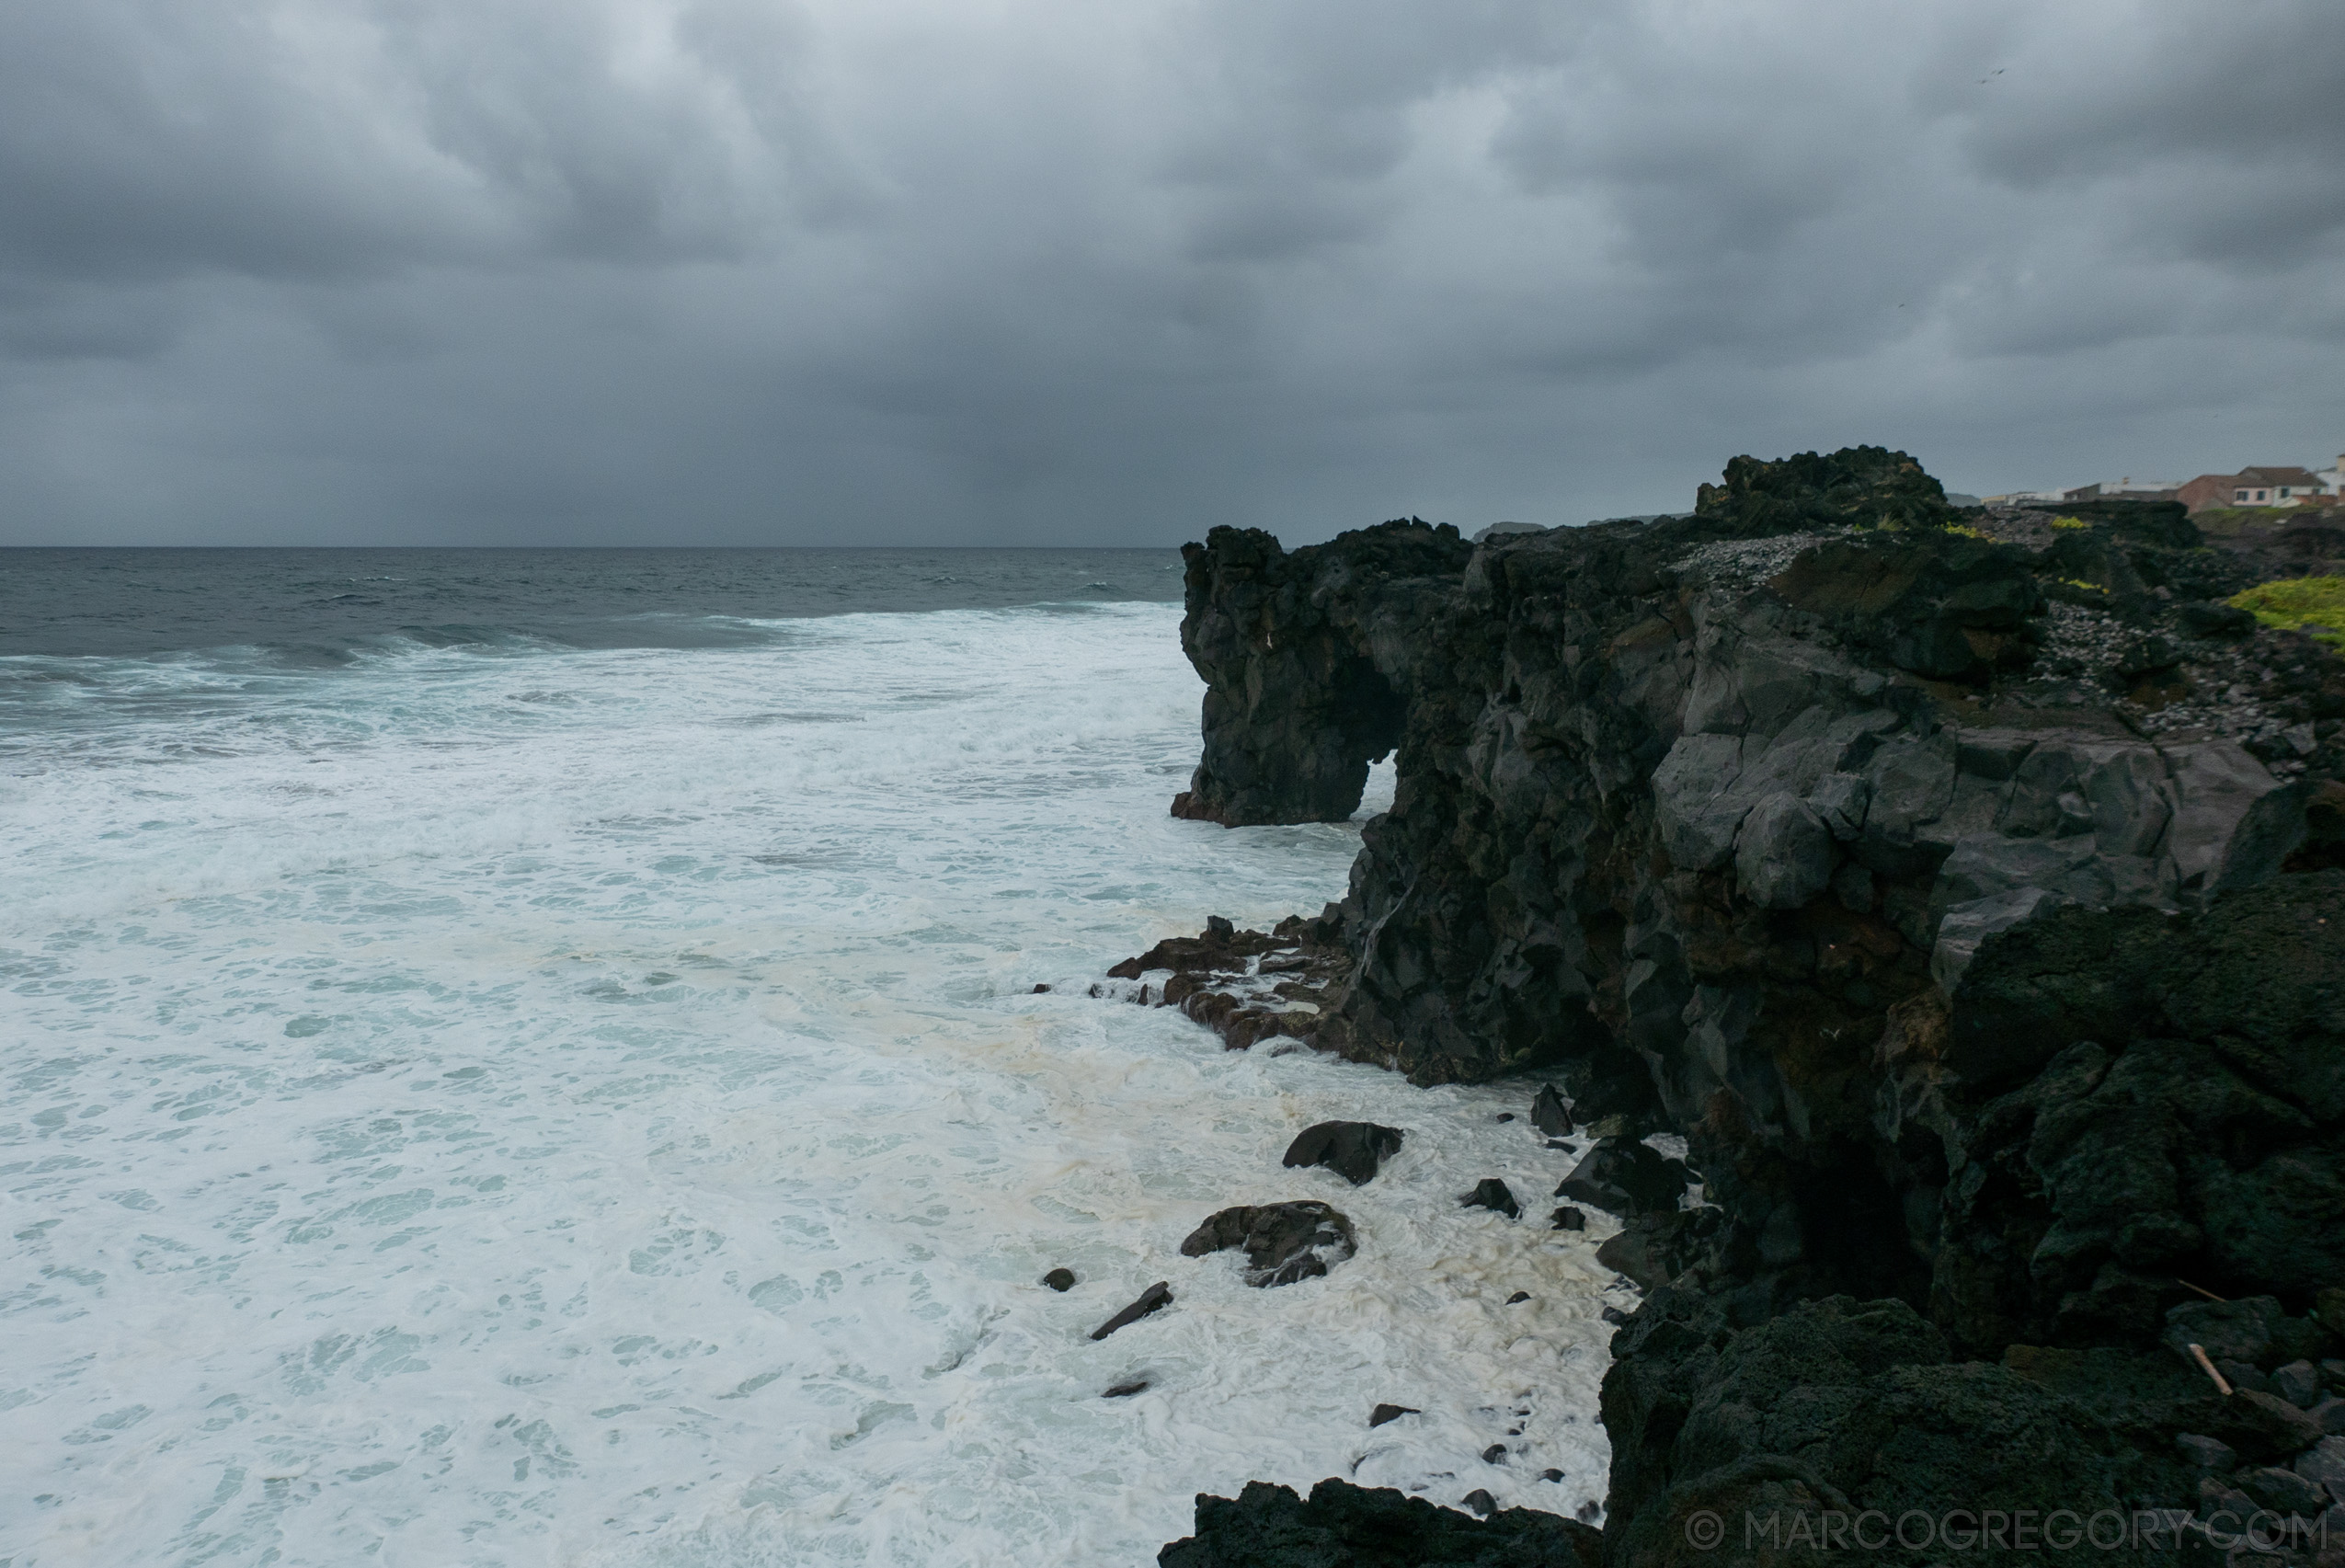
x=1963, y=885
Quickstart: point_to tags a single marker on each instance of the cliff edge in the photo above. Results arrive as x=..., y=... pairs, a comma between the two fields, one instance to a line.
x=1964, y=885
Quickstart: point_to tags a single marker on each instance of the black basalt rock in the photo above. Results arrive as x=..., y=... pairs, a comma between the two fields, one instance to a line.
x=1549, y=1114
x=1301, y=693
x=1060, y=1279
x=1353, y=1151
x=1155, y=1299
x=1625, y=1177
x=1967, y=888
x=1353, y=1526
x=1283, y=1242
x=1492, y=1193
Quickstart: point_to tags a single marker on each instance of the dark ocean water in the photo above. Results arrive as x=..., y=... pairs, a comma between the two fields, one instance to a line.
x=307, y=608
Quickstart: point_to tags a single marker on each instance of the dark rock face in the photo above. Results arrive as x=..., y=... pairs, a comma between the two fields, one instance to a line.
x=1283, y=1242
x=1624, y=1177
x=1155, y=1299
x=1300, y=654
x=1854, y=1406
x=1967, y=889
x=1352, y=1149
x=1269, y=1527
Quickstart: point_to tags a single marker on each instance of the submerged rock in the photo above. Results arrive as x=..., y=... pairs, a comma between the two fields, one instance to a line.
x=1060, y=1279
x=1283, y=1242
x=1384, y=1413
x=1156, y=1298
x=1352, y=1149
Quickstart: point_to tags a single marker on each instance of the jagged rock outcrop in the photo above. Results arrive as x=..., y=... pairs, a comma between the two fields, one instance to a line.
x=1283, y=1242
x=1960, y=886
x=1269, y=1527
x=1305, y=659
x=1688, y=811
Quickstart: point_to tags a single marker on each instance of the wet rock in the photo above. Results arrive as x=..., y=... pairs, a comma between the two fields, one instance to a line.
x=1126, y=1391
x=1269, y=1527
x=1353, y=1151
x=1654, y=1248
x=1549, y=1114
x=1550, y=1475
x=1492, y=1193
x=1156, y=1298
x=1283, y=1242
x=1245, y=985
x=1615, y=1316
x=1481, y=1502
x=1566, y=1218
x=1495, y=1454
x=1384, y=1413
x=2328, y=1414
x=1519, y=1295
x=1625, y=1177
x=1040, y=990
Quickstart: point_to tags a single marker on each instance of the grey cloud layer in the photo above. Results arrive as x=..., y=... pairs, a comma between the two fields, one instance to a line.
x=901, y=271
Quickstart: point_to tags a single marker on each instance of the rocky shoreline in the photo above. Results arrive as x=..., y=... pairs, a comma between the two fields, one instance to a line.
x=1965, y=888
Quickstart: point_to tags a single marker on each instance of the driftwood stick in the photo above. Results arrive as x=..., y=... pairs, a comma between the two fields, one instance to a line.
x=2199, y=1288
x=2198, y=1354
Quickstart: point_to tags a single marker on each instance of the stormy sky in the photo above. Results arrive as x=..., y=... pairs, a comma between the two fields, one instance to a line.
x=1041, y=272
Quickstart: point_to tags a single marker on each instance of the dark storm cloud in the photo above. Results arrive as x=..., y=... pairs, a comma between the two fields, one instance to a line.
x=900, y=270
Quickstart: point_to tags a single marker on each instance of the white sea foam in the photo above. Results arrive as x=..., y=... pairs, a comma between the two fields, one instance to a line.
x=525, y=1106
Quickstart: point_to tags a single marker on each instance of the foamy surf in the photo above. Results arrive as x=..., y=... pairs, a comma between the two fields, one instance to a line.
x=524, y=1105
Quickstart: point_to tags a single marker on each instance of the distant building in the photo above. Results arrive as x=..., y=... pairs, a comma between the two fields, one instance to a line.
x=2019, y=497
x=2254, y=488
x=2124, y=489
x=2333, y=479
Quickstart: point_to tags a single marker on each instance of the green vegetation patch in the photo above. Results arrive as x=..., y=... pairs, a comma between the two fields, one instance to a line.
x=2315, y=605
x=2070, y=522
